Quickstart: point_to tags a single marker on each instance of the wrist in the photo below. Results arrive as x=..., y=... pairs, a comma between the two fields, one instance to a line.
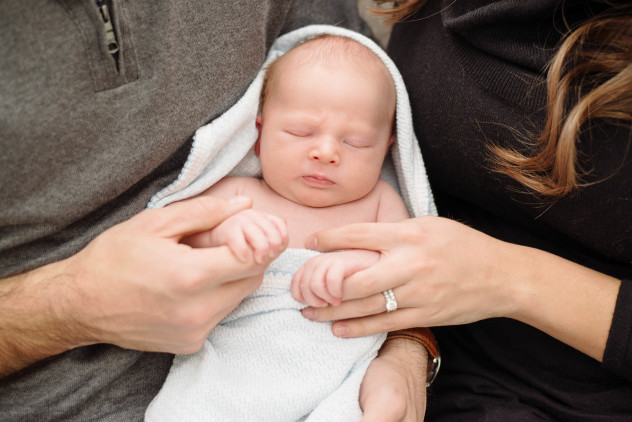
x=427, y=349
x=513, y=280
x=409, y=359
x=72, y=305
x=531, y=270
x=36, y=320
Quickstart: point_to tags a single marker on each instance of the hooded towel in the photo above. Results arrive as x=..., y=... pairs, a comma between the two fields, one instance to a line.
x=264, y=361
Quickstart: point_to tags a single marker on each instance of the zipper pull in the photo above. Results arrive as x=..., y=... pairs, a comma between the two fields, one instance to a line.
x=110, y=35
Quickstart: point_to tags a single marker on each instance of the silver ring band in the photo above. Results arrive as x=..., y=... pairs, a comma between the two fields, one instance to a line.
x=391, y=302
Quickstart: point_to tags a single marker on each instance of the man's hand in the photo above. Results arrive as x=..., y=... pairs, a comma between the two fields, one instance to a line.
x=136, y=285
x=394, y=386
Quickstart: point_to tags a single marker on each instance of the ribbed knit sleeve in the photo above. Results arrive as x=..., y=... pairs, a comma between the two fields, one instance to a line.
x=618, y=354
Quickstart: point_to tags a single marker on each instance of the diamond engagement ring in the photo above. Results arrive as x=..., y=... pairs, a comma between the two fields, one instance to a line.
x=391, y=303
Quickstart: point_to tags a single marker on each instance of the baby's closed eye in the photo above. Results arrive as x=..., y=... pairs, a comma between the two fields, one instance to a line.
x=358, y=142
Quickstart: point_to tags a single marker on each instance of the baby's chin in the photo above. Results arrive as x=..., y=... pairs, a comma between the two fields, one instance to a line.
x=322, y=201
x=319, y=204
x=314, y=197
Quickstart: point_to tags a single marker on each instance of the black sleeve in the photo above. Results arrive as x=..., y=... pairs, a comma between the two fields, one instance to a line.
x=617, y=357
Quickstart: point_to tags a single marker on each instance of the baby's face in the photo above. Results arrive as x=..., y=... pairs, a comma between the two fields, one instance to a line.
x=325, y=132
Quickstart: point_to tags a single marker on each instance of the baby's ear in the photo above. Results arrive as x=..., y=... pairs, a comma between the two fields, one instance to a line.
x=258, y=124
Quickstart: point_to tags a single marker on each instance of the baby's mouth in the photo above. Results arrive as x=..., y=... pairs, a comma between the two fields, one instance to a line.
x=317, y=180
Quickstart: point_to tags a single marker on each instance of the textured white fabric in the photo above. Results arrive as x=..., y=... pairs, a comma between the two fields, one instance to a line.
x=264, y=361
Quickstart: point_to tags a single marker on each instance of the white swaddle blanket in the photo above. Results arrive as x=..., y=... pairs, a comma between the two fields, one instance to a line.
x=264, y=361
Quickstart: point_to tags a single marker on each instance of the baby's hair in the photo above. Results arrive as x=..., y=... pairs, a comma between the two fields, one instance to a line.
x=324, y=48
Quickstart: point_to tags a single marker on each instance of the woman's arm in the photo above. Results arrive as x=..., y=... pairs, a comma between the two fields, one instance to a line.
x=445, y=273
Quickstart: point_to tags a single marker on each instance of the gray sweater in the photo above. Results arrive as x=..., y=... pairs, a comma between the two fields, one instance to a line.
x=87, y=136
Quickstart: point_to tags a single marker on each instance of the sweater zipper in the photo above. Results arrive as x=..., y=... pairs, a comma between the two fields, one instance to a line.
x=110, y=35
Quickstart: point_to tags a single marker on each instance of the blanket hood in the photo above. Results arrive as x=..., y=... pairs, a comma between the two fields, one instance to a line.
x=225, y=146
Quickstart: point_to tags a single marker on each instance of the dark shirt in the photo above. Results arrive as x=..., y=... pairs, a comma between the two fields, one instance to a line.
x=474, y=70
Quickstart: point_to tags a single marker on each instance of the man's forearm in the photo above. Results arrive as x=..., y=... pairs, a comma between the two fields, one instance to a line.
x=34, y=323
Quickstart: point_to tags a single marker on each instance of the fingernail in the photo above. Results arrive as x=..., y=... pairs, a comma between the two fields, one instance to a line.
x=238, y=199
x=311, y=242
x=340, y=330
x=309, y=313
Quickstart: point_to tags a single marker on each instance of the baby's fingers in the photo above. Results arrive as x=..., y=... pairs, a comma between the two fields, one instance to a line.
x=236, y=241
x=281, y=230
x=315, y=290
x=267, y=236
x=333, y=282
x=295, y=286
x=305, y=290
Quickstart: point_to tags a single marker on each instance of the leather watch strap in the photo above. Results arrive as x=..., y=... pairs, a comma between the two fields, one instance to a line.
x=426, y=338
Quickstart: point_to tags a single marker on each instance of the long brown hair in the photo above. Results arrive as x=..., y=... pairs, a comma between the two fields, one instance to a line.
x=590, y=77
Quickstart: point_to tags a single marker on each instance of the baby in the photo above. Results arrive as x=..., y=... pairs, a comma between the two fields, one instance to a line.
x=325, y=126
x=326, y=123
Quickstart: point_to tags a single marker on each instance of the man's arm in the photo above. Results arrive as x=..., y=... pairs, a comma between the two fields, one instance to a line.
x=135, y=286
x=35, y=319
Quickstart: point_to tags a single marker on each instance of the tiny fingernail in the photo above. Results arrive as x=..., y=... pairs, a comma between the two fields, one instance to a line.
x=341, y=330
x=239, y=199
x=309, y=313
x=311, y=242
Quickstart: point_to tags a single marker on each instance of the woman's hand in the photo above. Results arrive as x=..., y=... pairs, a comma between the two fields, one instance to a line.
x=394, y=386
x=441, y=272
x=445, y=273
x=135, y=285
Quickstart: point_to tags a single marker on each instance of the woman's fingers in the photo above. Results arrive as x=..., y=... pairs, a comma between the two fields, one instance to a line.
x=371, y=305
x=373, y=324
x=388, y=273
x=364, y=306
x=372, y=236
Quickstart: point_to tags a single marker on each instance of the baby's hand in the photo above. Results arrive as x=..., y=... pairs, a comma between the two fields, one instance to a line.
x=252, y=231
x=319, y=281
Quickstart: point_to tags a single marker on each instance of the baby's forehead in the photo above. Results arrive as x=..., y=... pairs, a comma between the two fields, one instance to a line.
x=339, y=52
x=331, y=49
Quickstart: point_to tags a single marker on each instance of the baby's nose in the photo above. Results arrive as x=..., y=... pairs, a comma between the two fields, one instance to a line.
x=325, y=150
